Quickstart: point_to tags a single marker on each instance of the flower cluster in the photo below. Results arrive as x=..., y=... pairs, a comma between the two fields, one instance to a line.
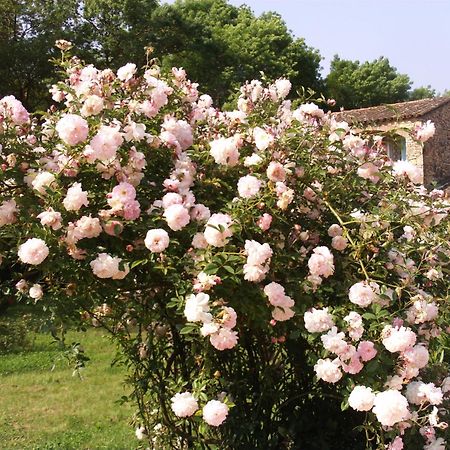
x=279, y=233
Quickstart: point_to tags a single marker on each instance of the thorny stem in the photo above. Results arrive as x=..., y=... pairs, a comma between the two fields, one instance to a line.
x=352, y=242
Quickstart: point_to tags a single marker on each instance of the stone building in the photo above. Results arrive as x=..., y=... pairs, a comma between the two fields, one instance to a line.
x=433, y=156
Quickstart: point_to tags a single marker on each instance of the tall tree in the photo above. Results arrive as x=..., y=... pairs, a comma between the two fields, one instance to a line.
x=115, y=32
x=221, y=46
x=28, y=31
x=422, y=92
x=357, y=85
x=106, y=32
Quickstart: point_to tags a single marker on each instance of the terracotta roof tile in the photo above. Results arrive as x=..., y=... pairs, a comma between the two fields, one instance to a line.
x=394, y=111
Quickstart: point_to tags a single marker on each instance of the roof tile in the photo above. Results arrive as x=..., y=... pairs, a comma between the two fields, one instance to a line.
x=394, y=111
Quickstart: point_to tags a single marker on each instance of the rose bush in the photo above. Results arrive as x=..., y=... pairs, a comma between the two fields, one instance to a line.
x=258, y=268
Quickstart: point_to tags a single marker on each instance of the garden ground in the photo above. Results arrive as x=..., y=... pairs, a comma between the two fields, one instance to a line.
x=41, y=408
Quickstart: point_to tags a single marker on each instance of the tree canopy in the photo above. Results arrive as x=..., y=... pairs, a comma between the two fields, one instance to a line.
x=358, y=85
x=28, y=30
x=220, y=45
x=422, y=92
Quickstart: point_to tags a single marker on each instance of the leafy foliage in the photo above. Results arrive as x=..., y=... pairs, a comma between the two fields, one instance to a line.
x=358, y=85
x=422, y=92
x=221, y=46
x=260, y=263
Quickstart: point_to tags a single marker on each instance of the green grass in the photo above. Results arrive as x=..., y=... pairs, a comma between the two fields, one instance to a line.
x=41, y=408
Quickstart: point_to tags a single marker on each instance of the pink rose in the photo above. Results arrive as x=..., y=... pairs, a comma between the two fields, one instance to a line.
x=200, y=213
x=321, y=262
x=361, y=398
x=33, y=251
x=36, y=292
x=225, y=151
x=335, y=230
x=264, y=222
x=262, y=138
x=425, y=131
x=121, y=194
x=8, y=210
x=398, y=339
x=50, y=218
x=177, y=217
x=363, y=293
x=229, y=317
x=92, y=106
x=417, y=356
x=72, y=129
x=178, y=132
x=157, y=240
x=113, y=228
x=334, y=342
x=355, y=366
x=257, y=254
x=42, y=181
x=218, y=229
x=248, y=186
x=105, y=266
x=369, y=171
x=276, y=172
x=199, y=241
x=409, y=170
x=224, y=339
x=215, y=413
x=87, y=227
x=171, y=198
x=339, y=243
x=104, y=144
x=126, y=72
x=318, y=320
x=390, y=407
x=184, y=404
x=13, y=108
x=283, y=87
x=328, y=370
x=75, y=198
x=366, y=350
x=396, y=444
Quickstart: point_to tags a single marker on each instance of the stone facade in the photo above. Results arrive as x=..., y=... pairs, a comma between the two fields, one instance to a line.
x=414, y=149
x=436, y=151
x=434, y=155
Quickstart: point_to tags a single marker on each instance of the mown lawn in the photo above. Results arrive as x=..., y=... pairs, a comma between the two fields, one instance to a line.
x=41, y=408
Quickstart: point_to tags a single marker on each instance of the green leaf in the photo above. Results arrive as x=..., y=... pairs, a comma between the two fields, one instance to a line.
x=369, y=316
x=229, y=269
x=344, y=405
x=188, y=329
x=138, y=263
x=211, y=269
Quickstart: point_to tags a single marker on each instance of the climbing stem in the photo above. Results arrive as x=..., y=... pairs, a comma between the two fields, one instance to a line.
x=347, y=234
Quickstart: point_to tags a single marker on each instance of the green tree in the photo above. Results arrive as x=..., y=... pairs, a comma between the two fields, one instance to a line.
x=28, y=30
x=357, y=85
x=115, y=32
x=422, y=92
x=221, y=46
x=106, y=32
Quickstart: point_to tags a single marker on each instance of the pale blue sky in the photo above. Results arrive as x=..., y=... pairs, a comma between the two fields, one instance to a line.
x=413, y=34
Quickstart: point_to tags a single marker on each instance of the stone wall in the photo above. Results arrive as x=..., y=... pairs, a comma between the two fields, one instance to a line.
x=436, y=152
x=433, y=156
x=414, y=150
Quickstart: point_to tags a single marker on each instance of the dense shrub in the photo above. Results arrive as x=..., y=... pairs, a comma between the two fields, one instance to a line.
x=13, y=334
x=260, y=269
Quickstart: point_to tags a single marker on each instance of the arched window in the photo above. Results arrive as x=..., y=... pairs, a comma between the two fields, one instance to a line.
x=396, y=147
